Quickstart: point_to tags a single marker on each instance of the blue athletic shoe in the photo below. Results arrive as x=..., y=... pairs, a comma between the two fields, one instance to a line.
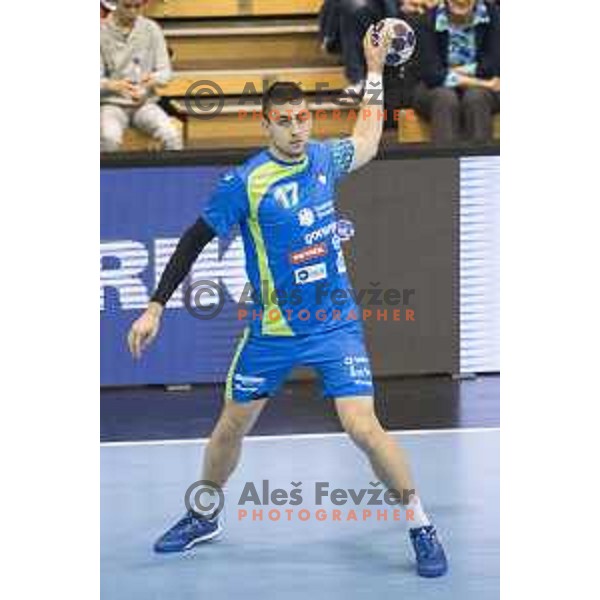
x=431, y=559
x=187, y=532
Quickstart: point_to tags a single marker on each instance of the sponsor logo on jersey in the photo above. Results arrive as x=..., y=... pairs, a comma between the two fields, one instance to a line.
x=325, y=209
x=322, y=179
x=320, y=234
x=309, y=253
x=345, y=229
x=360, y=369
x=246, y=383
x=306, y=217
x=311, y=273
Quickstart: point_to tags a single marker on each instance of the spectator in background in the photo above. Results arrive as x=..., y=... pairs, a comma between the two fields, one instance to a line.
x=133, y=63
x=343, y=24
x=417, y=7
x=459, y=69
x=106, y=7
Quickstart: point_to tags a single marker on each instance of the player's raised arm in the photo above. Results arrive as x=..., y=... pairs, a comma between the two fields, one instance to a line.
x=145, y=329
x=369, y=125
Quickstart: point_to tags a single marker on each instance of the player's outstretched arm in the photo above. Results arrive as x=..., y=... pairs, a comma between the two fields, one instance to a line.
x=369, y=125
x=146, y=327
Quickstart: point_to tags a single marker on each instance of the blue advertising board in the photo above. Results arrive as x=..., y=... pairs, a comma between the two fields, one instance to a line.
x=144, y=211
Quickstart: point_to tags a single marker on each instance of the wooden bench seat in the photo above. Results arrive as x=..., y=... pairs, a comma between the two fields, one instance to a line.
x=414, y=129
x=135, y=140
x=239, y=82
x=177, y=9
x=245, y=44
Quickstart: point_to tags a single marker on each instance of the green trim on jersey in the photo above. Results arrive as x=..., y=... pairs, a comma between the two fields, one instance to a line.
x=259, y=182
x=234, y=362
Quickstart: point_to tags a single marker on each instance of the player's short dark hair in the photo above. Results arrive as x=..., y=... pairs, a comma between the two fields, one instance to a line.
x=280, y=93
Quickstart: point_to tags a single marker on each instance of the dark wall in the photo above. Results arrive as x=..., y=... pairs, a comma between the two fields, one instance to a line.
x=404, y=239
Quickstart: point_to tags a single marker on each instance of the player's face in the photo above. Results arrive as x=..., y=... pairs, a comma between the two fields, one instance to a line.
x=289, y=127
x=461, y=8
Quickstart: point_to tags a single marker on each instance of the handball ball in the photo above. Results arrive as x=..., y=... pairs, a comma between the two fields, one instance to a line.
x=403, y=40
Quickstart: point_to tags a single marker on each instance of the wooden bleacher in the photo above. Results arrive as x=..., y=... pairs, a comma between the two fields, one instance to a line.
x=136, y=140
x=414, y=129
x=245, y=45
x=239, y=81
x=178, y=9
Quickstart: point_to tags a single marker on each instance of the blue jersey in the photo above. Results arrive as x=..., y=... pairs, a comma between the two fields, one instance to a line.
x=287, y=216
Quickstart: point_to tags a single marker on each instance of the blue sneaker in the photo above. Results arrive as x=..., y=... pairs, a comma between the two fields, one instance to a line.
x=431, y=559
x=190, y=530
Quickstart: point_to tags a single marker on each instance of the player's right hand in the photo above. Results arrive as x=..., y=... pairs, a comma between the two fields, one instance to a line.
x=375, y=45
x=144, y=330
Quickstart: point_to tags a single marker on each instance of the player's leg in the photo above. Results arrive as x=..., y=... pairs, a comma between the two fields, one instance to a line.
x=388, y=460
x=113, y=121
x=223, y=450
x=346, y=373
x=390, y=465
x=257, y=370
x=153, y=120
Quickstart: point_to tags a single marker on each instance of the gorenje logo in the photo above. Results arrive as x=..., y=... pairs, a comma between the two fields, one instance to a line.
x=125, y=266
x=319, y=234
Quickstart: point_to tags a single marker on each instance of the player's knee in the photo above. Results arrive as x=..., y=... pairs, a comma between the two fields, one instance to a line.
x=231, y=428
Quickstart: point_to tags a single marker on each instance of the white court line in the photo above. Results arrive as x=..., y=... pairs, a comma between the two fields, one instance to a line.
x=298, y=436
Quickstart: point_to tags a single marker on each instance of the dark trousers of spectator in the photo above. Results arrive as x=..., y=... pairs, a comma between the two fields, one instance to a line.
x=356, y=16
x=448, y=109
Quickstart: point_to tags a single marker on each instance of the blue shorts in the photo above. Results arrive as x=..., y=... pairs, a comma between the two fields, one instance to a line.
x=260, y=365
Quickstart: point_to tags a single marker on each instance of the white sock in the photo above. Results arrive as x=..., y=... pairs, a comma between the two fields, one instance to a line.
x=417, y=517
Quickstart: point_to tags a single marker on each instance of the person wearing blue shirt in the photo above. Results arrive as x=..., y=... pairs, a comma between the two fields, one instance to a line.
x=459, y=69
x=283, y=200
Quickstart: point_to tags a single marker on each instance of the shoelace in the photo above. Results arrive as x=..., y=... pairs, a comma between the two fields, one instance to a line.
x=186, y=522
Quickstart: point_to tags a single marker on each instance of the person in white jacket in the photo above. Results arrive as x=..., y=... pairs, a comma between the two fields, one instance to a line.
x=134, y=61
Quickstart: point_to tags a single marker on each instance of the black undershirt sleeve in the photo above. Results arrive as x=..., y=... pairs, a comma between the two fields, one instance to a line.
x=189, y=247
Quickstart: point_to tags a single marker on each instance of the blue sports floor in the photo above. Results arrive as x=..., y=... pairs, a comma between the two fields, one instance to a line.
x=142, y=489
